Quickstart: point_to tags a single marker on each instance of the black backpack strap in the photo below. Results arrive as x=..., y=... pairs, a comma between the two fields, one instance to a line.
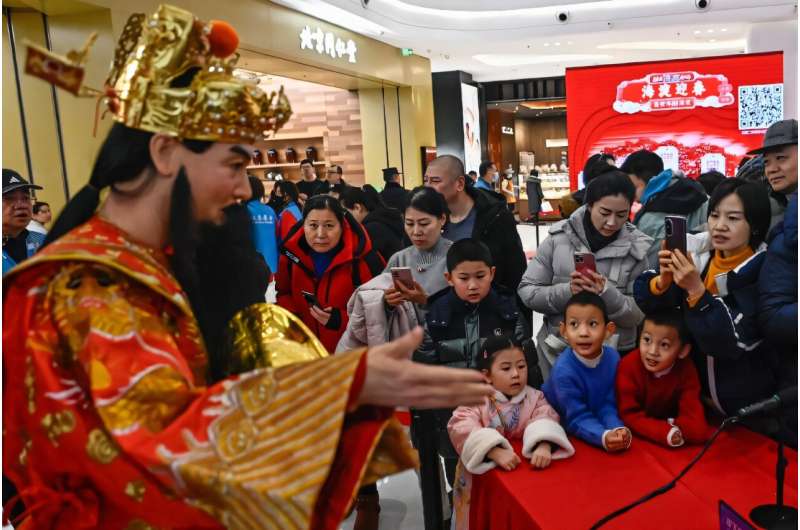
x=374, y=264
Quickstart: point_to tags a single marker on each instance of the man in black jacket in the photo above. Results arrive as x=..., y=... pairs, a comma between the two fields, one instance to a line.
x=393, y=194
x=479, y=214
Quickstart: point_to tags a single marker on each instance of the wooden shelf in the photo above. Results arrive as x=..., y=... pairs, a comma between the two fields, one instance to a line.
x=297, y=165
x=284, y=137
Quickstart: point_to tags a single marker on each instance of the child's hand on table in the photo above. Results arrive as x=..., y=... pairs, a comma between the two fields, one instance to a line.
x=541, y=456
x=618, y=440
x=504, y=458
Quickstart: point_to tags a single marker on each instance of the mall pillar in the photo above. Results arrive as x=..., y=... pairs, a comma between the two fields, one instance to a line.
x=449, y=113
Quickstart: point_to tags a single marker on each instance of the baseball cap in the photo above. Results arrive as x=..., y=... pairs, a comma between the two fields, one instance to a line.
x=14, y=181
x=780, y=133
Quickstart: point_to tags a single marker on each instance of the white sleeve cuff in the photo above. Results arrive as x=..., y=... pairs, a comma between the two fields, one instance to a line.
x=546, y=430
x=672, y=431
x=603, y=438
x=477, y=446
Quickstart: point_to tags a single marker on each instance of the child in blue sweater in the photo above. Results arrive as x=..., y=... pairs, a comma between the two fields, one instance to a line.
x=581, y=383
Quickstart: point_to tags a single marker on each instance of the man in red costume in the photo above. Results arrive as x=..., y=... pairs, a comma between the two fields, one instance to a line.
x=110, y=419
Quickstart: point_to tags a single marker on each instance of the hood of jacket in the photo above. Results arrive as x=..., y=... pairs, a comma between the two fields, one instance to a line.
x=673, y=195
x=353, y=246
x=630, y=241
x=389, y=217
x=531, y=178
x=488, y=205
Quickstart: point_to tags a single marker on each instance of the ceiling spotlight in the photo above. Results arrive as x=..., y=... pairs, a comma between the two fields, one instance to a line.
x=709, y=31
x=557, y=44
x=697, y=32
x=724, y=29
x=702, y=4
x=546, y=44
x=562, y=17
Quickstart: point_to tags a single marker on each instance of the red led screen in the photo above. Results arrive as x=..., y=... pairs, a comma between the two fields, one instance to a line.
x=698, y=114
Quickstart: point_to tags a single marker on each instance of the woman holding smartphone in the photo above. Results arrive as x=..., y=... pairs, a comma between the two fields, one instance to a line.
x=395, y=301
x=716, y=285
x=326, y=256
x=597, y=232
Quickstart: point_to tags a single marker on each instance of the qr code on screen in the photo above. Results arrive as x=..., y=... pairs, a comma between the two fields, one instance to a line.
x=760, y=106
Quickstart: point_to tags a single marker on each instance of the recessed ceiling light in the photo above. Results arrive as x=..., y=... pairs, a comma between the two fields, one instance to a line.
x=557, y=44
x=546, y=44
x=724, y=29
x=712, y=40
x=697, y=32
x=569, y=42
x=709, y=31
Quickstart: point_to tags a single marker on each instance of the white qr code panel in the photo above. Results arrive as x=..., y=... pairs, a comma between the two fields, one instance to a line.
x=760, y=106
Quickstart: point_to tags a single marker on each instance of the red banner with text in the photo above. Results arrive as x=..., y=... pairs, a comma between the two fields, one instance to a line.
x=697, y=114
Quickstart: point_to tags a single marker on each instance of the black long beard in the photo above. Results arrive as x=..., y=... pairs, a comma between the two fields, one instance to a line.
x=218, y=268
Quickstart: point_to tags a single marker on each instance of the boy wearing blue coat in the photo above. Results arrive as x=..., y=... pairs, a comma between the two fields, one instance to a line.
x=581, y=383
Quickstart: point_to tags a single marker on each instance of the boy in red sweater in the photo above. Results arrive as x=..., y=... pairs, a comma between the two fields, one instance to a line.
x=658, y=391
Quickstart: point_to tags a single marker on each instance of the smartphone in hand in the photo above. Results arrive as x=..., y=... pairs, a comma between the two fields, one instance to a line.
x=584, y=263
x=675, y=232
x=403, y=275
x=311, y=299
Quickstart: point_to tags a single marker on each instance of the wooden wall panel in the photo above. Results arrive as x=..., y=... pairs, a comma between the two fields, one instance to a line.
x=331, y=113
x=531, y=136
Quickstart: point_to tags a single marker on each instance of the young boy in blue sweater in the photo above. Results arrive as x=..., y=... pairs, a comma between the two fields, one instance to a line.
x=581, y=383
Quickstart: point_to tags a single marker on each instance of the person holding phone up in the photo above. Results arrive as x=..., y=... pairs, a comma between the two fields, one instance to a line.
x=715, y=284
x=598, y=232
x=323, y=260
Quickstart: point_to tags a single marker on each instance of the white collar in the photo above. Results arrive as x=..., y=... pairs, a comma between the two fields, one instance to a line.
x=665, y=371
x=501, y=398
x=589, y=363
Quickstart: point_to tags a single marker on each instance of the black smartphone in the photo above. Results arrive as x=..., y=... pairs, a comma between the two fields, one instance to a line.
x=311, y=298
x=675, y=232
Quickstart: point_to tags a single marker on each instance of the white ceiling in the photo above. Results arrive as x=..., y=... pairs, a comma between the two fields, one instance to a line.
x=515, y=39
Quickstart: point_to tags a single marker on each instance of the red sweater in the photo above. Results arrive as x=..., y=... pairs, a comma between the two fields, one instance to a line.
x=646, y=401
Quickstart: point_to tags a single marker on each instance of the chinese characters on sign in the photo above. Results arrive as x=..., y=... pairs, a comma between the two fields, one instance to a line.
x=326, y=43
x=673, y=91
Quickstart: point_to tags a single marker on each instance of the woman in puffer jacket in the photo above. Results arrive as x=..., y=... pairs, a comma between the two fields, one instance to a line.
x=716, y=287
x=327, y=255
x=620, y=250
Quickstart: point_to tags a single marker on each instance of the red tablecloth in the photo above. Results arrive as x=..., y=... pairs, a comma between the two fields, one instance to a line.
x=574, y=493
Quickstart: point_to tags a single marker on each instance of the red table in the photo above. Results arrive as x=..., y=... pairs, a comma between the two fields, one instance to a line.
x=574, y=493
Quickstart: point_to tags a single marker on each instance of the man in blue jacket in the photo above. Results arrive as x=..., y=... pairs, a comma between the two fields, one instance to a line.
x=265, y=224
x=18, y=242
x=777, y=285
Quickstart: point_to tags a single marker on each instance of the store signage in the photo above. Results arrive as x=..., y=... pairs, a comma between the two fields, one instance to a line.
x=326, y=43
x=407, y=52
x=555, y=142
x=507, y=130
x=673, y=91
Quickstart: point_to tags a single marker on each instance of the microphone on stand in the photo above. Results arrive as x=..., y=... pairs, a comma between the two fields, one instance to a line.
x=785, y=397
x=778, y=515
x=768, y=516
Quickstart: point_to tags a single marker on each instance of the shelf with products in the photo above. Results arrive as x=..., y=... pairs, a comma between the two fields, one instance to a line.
x=285, y=165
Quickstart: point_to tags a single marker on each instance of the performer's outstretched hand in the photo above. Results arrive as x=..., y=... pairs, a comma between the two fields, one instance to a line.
x=393, y=379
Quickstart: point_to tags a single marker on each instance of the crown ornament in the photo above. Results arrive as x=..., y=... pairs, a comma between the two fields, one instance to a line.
x=173, y=74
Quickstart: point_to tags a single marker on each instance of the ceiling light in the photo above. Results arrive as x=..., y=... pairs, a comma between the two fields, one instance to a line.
x=697, y=32
x=709, y=31
x=546, y=44
x=569, y=42
x=335, y=15
x=712, y=40
x=733, y=44
x=458, y=14
x=557, y=44
x=517, y=59
x=724, y=29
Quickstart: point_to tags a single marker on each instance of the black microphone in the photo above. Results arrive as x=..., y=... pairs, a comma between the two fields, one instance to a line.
x=787, y=396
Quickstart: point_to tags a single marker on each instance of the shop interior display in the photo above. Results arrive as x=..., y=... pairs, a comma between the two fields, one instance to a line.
x=282, y=155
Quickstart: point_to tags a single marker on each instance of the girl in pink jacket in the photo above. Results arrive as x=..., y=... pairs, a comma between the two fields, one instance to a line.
x=480, y=434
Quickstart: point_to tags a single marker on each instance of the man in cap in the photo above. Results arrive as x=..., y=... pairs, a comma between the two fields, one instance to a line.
x=777, y=283
x=114, y=420
x=393, y=194
x=19, y=243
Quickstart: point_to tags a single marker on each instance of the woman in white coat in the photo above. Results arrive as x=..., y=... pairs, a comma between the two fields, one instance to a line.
x=601, y=227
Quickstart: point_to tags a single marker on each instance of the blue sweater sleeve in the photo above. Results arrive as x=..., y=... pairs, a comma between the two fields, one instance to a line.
x=578, y=416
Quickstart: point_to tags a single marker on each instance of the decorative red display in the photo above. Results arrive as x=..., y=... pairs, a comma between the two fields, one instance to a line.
x=698, y=114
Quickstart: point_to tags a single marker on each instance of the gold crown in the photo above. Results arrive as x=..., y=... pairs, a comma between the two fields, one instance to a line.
x=148, y=88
